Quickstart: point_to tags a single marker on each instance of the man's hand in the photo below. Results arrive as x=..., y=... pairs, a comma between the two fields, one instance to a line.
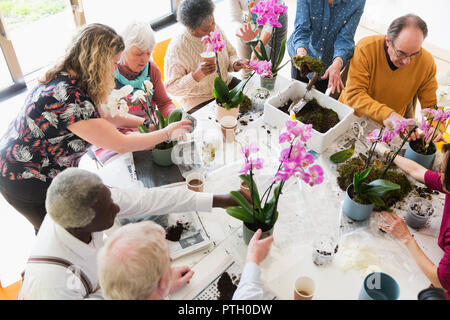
x=258, y=249
x=397, y=226
x=240, y=64
x=334, y=74
x=203, y=69
x=437, y=137
x=381, y=149
x=180, y=276
x=302, y=52
x=246, y=33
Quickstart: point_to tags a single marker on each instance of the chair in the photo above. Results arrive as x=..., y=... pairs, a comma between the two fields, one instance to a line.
x=159, y=52
x=11, y=291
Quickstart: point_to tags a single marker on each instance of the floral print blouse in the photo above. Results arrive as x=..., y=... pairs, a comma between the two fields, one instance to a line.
x=38, y=144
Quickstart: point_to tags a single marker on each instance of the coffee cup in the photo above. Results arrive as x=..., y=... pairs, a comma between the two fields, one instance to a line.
x=195, y=181
x=208, y=57
x=228, y=124
x=304, y=288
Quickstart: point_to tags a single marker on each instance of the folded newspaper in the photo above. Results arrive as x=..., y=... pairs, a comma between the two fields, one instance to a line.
x=193, y=236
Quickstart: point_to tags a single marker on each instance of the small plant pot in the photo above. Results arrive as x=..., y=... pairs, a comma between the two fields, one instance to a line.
x=379, y=286
x=424, y=160
x=418, y=213
x=267, y=83
x=222, y=112
x=162, y=157
x=354, y=210
x=431, y=294
x=247, y=233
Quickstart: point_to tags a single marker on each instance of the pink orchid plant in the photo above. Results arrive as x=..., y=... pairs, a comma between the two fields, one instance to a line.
x=295, y=161
x=262, y=67
x=215, y=44
x=430, y=115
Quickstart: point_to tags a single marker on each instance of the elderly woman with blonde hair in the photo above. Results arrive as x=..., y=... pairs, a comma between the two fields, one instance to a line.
x=61, y=119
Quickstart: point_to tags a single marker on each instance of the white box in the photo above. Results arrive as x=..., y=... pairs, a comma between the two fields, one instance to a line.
x=319, y=141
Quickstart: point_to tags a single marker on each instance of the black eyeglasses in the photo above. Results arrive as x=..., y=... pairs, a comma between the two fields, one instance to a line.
x=401, y=55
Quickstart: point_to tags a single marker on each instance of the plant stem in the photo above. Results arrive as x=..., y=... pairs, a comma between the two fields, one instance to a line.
x=432, y=137
x=396, y=152
x=217, y=65
x=372, y=149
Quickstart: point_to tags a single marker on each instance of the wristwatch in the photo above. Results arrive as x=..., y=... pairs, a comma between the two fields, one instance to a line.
x=147, y=123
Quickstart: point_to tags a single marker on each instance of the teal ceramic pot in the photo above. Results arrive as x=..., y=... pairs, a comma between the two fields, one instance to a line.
x=162, y=157
x=422, y=159
x=379, y=286
x=247, y=233
x=354, y=210
x=268, y=83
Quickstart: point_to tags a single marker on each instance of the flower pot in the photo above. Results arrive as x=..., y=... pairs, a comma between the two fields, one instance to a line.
x=162, y=157
x=248, y=233
x=422, y=159
x=379, y=286
x=222, y=112
x=413, y=218
x=319, y=142
x=431, y=294
x=268, y=83
x=354, y=210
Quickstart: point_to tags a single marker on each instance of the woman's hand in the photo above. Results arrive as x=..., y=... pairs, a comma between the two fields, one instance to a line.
x=397, y=226
x=246, y=33
x=178, y=129
x=203, y=69
x=180, y=277
x=240, y=64
x=258, y=249
x=334, y=74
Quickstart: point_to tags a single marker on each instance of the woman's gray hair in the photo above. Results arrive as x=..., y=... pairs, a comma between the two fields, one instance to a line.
x=71, y=196
x=139, y=34
x=406, y=21
x=192, y=13
x=132, y=261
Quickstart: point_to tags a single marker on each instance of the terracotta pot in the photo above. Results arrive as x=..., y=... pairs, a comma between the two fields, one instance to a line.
x=222, y=112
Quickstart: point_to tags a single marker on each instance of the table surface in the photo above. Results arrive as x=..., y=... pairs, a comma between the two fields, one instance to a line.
x=304, y=213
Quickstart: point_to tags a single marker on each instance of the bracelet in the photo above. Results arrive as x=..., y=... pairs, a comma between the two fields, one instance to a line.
x=147, y=123
x=389, y=156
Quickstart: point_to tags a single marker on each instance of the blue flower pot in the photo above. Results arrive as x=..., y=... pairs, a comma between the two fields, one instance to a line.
x=422, y=159
x=354, y=210
x=379, y=286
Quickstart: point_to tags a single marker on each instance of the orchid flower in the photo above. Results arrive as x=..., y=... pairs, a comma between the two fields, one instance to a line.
x=269, y=11
x=213, y=42
x=262, y=67
x=116, y=102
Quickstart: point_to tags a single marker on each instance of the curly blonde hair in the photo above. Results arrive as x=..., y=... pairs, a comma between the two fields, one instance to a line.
x=90, y=55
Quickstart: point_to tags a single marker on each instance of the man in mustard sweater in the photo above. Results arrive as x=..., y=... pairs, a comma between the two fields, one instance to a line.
x=388, y=71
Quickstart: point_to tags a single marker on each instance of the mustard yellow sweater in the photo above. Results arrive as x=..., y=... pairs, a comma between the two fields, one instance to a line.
x=375, y=90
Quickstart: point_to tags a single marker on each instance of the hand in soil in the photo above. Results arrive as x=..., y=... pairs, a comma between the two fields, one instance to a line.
x=180, y=277
x=258, y=249
x=396, y=226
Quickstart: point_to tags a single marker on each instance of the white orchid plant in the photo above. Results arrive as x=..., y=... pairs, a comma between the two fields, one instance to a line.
x=116, y=103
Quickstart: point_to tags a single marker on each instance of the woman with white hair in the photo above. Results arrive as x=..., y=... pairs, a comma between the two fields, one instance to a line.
x=63, y=263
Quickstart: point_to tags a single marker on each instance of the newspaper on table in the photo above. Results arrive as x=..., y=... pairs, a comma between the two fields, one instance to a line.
x=193, y=239
x=203, y=286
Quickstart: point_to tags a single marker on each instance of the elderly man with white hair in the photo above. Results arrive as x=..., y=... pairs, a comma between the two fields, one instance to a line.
x=80, y=207
x=134, y=264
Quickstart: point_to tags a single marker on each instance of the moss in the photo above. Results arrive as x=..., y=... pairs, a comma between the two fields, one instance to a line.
x=322, y=119
x=308, y=64
x=349, y=168
x=246, y=105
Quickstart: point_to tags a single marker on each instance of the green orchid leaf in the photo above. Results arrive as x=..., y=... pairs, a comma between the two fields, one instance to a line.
x=343, y=155
x=255, y=194
x=221, y=90
x=263, y=51
x=380, y=187
x=240, y=214
x=161, y=120
x=376, y=200
x=240, y=199
x=281, y=56
x=143, y=129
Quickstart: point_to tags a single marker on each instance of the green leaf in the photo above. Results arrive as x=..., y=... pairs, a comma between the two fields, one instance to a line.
x=221, y=90
x=161, y=119
x=255, y=193
x=356, y=183
x=281, y=56
x=143, y=129
x=237, y=98
x=240, y=199
x=240, y=214
x=380, y=187
x=343, y=155
x=376, y=200
x=263, y=51
x=271, y=210
x=365, y=174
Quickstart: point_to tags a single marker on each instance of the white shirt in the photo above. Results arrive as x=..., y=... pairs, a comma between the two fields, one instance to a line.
x=250, y=286
x=50, y=281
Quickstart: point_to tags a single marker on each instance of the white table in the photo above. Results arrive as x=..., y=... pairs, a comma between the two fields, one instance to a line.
x=305, y=212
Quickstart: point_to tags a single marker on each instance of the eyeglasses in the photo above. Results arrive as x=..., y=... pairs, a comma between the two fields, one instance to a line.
x=401, y=55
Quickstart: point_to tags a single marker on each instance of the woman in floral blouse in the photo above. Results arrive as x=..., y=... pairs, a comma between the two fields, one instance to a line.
x=61, y=118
